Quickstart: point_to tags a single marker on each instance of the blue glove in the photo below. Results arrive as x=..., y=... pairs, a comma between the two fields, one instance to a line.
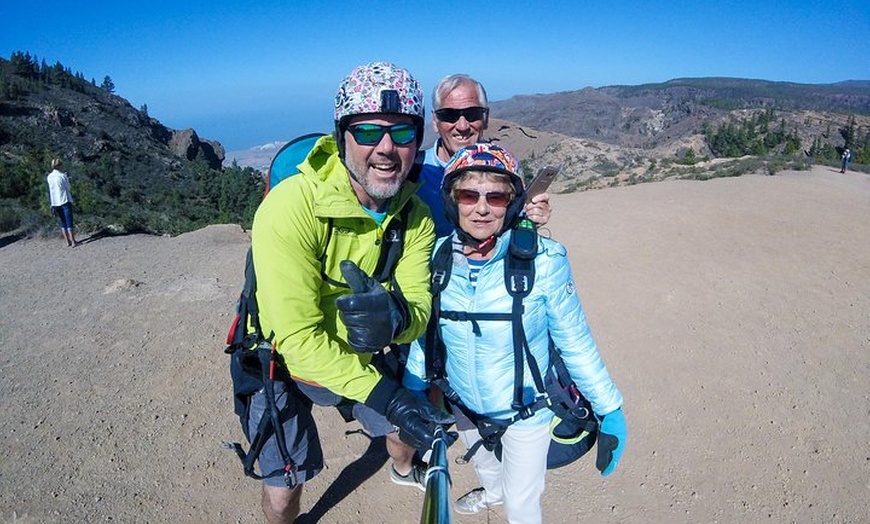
x=611, y=441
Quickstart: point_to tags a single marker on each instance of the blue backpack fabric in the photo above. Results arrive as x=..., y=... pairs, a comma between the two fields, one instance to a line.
x=286, y=160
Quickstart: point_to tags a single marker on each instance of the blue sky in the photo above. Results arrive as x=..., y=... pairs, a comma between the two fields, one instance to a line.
x=246, y=73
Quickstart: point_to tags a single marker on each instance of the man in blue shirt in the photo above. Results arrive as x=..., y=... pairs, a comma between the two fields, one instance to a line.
x=460, y=114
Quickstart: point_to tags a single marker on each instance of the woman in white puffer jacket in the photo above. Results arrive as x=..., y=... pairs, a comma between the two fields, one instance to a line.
x=483, y=196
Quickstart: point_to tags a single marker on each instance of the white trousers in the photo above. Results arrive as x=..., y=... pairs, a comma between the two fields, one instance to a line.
x=518, y=480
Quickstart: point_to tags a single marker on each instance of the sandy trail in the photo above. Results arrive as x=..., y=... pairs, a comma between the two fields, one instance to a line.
x=734, y=314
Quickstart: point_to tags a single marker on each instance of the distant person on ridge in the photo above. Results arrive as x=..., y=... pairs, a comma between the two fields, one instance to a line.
x=315, y=240
x=460, y=114
x=845, y=159
x=60, y=199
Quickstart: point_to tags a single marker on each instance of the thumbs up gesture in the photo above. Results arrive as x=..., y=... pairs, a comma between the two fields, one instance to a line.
x=373, y=316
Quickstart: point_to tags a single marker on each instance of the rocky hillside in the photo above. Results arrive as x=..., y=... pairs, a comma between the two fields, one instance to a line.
x=129, y=172
x=652, y=115
x=627, y=134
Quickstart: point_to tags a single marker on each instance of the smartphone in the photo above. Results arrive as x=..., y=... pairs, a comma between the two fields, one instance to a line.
x=542, y=181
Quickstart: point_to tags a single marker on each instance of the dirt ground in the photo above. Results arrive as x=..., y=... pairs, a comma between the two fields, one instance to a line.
x=734, y=314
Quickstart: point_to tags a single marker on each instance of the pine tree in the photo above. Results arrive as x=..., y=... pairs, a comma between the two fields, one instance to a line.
x=108, y=85
x=848, y=132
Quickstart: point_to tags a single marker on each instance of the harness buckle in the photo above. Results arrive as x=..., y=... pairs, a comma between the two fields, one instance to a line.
x=519, y=283
x=524, y=412
x=290, y=477
x=438, y=277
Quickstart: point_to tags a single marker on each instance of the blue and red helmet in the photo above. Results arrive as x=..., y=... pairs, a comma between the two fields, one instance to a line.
x=486, y=158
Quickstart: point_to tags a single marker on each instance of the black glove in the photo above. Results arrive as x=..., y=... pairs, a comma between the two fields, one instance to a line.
x=373, y=316
x=417, y=419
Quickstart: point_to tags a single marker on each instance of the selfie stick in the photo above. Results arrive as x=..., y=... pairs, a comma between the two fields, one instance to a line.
x=436, y=504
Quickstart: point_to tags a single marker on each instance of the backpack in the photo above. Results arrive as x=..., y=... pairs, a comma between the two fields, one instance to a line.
x=288, y=157
x=574, y=429
x=254, y=362
x=283, y=165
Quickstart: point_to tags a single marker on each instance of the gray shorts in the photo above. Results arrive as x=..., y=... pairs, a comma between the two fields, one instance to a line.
x=300, y=430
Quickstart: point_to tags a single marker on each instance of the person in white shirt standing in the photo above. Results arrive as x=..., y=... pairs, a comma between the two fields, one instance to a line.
x=60, y=199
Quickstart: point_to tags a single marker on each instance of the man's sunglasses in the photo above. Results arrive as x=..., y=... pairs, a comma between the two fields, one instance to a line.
x=372, y=134
x=471, y=114
x=470, y=197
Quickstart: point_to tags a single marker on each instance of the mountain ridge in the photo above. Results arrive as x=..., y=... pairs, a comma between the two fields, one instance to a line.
x=634, y=116
x=622, y=134
x=130, y=173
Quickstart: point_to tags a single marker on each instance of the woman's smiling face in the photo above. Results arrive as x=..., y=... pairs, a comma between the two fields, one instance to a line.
x=482, y=200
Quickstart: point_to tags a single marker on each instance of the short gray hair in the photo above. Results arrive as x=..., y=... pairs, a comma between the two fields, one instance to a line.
x=451, y=82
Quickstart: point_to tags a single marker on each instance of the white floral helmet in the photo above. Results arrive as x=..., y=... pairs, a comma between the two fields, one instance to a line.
x=378, y=87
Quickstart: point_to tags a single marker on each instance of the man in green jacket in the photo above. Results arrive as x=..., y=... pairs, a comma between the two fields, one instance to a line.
x=316, y=240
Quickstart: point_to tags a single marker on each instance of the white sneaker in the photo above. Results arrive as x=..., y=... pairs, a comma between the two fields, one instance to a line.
x=415, y=478
x=474, y=502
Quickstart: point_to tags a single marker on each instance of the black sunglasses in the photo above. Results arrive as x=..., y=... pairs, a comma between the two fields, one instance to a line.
x=472, y=114
x=471, y=197
x=372, y=134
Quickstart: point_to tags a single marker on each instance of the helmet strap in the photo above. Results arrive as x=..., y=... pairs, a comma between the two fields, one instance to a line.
x=487, y=245
x=482, y=247
x=339, y=140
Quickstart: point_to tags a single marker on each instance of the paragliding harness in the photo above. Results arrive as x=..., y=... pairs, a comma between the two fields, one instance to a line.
x=575, y=427
x=255, y=365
